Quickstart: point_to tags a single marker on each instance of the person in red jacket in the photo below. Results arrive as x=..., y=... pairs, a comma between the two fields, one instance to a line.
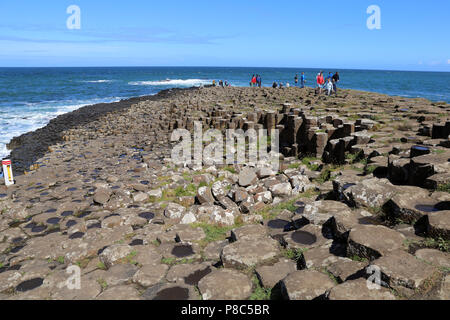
x=253, y=81
x=320, y=81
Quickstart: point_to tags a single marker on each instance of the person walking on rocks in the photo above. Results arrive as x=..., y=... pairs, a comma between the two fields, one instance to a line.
x=320, y=81
x=335, y=81
x=296, y=80
x=329, y=87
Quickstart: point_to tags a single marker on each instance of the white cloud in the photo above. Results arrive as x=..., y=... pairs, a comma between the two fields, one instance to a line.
x=448, y=61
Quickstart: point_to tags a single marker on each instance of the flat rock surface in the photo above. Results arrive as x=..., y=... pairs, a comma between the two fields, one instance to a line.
x=373, y=241
x=225, y=284
x=359, y=290
x=306, y=285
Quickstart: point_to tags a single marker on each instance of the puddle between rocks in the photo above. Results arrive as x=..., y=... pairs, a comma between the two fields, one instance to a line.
x=303, y=237
x=76, y=235
x=30, y=285
x=67, y=213
x=53, y=220
x=37, y=229
x=70, y=223
x=182, y=251
x=137, y=242
x=277, y=224
x=147, y=215
x=426, y=208
x=175, y=293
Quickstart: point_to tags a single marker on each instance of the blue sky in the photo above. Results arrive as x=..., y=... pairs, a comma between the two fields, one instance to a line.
x=414, y=34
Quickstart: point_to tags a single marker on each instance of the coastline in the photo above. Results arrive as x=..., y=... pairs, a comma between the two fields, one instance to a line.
x=363, y=179
x=89, y=111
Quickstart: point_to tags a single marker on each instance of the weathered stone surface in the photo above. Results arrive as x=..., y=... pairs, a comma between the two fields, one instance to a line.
x=248, y=253
x=444, y=291
x=271, y=275
x=346, y=269
x=358, y=290
x=249, y=232
x=306, y=285
x=114, y=254
x=189, y=274
x=204, y=195
x=371, y=242
x=301, y=183
x=214, y=249
x=149, y=275
x=400, y=269
x=282, y=190
x=439, y=224
x=125, y=292
x=309, y=236
x=404, y=205
x=178, y=292
x=370, y=193
x=102, y=196
x=435, y=257
x=225, y=284
x=174, y=211
x=247, y=177
x=319, y=212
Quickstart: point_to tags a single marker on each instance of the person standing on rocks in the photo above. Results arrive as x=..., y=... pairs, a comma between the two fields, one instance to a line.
x=258, y=80
x=296, y=80
x=335, y=81
x=302, y=80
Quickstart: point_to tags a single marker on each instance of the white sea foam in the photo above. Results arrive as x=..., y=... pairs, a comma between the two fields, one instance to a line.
x=169, y=82
x=17, y=121
x=97, y=81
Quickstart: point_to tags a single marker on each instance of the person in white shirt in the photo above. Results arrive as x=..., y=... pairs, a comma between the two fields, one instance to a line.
x=329, y=86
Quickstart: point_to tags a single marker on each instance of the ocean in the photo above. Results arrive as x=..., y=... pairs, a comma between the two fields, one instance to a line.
x=31, y=97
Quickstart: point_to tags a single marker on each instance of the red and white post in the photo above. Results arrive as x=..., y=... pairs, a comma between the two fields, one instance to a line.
x=7, y=172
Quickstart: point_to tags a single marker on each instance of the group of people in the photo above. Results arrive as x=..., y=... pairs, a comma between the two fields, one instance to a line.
x=221, y=83
x=296, y=80
x=256, y=81
x=329, y=83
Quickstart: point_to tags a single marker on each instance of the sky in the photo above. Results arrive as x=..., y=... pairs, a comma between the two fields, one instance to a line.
x=414, y=34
